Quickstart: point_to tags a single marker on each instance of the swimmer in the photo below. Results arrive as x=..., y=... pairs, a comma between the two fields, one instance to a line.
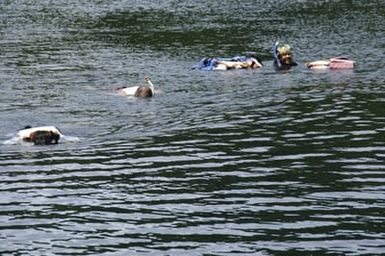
x=238, y=62
x=333, y=63
x=142, y=91
x=44, y=135
x=283, y=56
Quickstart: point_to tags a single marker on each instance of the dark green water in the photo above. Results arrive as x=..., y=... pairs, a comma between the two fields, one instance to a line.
x=219, y=163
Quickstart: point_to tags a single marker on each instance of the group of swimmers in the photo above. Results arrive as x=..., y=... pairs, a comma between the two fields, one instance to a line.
x=283, y=59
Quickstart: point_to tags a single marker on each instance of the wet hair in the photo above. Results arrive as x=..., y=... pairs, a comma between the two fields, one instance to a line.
x=143, y=92
x=283, y=48
x=255, y=57
x=44, y=138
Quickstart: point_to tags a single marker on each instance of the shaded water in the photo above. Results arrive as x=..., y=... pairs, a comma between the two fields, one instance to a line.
x=219, y=163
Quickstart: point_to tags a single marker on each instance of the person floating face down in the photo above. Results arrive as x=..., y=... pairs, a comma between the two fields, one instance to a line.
x=44, y=135
x=237, y=62
x=142, y=91
x=283, y=57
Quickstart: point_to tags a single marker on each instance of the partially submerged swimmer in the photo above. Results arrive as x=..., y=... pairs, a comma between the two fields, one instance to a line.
x=238, y=62
x=44, y=135
x=333, y=63
x=142, y=91
x=283, y=56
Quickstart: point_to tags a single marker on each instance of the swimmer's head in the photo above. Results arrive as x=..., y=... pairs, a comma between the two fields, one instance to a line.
x=143, y=92
x=44, y=137
x=284, y=54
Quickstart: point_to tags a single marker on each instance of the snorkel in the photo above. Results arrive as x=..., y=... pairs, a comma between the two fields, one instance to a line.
x=275, y=53
x=283, y=57
x=152, y=87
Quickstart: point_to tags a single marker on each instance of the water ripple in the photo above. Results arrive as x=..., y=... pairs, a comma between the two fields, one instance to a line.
x=218, y=163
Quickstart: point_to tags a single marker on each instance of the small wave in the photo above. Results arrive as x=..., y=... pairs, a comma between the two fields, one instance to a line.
x=64, y=139
x=11, y=141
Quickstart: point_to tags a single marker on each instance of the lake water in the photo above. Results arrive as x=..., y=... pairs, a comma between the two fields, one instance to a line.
x=218, y=163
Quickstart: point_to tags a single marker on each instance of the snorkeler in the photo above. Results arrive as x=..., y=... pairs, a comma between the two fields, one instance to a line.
x=238, y=62
x=44, y=135
x=141, y=91
x=333, y=63
x=283, y=56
